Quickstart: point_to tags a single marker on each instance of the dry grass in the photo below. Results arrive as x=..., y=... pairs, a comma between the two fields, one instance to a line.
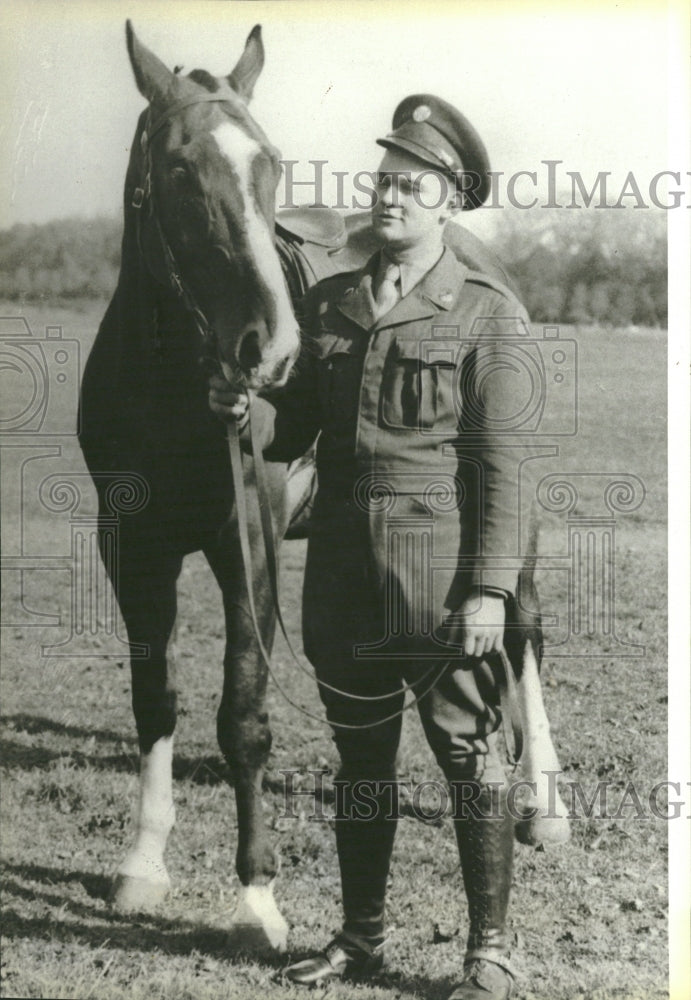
x=589, y=920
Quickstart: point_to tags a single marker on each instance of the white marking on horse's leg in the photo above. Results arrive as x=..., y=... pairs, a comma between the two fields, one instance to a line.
x=540, y=765
x=240, y=150
x=257, y=923
x=142, y=880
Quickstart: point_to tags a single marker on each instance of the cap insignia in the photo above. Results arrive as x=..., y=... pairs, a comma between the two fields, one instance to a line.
x=421, y=113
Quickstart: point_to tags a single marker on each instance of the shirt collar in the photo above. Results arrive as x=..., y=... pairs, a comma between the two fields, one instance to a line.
x=437, y=289
x=412, y=271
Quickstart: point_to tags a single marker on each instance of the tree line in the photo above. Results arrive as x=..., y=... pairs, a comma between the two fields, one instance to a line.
x=572, y=266
x=588, y=265
x=60, y=260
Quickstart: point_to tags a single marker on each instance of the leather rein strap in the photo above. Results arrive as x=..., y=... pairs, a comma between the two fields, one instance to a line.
x=512, y=721
x=511, y=716
x=272, y=570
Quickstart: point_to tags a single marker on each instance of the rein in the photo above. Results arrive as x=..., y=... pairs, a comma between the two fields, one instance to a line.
x=272, y=570
x=511, y=716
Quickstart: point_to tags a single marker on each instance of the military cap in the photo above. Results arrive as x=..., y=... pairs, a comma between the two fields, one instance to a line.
x=433, y=131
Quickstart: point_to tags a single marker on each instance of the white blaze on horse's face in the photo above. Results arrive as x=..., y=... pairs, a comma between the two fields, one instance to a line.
x=268, y=343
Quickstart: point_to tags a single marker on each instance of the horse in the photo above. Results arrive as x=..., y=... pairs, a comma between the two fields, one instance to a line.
x=207, y=267
x=200, y=271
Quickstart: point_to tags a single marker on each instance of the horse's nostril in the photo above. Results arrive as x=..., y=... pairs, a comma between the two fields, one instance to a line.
x=249, y=351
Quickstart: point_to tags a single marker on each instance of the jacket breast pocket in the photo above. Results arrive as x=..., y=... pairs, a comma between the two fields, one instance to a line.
x=419, y=385
x=339, y=374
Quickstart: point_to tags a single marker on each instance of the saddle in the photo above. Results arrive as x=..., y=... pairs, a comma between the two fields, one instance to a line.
x=308, y=241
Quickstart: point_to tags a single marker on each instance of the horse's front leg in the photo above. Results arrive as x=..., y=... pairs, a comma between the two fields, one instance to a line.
x=244, y=735
x=148, y=603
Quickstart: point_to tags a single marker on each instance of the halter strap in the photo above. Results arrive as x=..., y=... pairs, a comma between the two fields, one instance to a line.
x=184, y=102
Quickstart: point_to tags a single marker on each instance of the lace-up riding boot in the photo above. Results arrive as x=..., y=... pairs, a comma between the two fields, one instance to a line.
x=484, y=831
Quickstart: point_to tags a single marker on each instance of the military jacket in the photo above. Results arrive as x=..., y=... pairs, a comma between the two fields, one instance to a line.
x=415, y=413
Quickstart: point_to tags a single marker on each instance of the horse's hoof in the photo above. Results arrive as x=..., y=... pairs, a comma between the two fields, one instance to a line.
x=130, y=894
x=258, y=924
x=538, y=830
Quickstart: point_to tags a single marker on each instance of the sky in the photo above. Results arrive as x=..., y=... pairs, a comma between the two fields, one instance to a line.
x=585, y=84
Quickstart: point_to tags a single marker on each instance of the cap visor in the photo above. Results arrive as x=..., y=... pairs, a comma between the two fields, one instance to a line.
x=419, y=152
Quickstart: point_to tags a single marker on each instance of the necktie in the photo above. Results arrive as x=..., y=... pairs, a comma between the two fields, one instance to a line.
x=387, y=294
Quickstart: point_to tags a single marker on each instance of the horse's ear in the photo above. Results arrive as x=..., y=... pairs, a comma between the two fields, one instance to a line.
x=153, y=78
x=249, y=66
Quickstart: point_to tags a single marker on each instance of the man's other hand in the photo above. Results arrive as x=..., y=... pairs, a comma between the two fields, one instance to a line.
x=481, y=629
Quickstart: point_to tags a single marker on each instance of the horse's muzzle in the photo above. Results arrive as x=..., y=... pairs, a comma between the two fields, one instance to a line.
x=261, y=358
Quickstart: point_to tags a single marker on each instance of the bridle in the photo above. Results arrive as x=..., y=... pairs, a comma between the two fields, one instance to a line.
x=144, y=197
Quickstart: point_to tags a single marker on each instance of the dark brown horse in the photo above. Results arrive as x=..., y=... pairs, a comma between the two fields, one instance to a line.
x=206, y=267
x=199, y=263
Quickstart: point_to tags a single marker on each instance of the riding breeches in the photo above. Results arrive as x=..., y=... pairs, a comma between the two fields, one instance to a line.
x=457, y=699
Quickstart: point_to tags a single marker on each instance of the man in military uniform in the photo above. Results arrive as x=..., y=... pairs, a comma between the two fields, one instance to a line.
x=402, y=378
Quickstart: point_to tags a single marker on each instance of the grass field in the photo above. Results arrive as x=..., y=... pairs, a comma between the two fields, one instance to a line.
x=588, y=919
